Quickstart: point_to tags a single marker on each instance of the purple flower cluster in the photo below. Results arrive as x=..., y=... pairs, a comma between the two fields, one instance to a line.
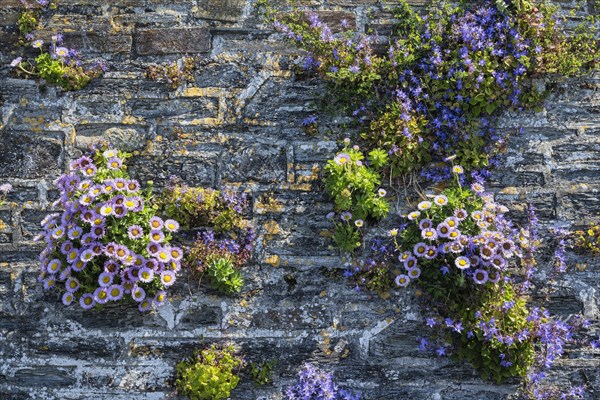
x=478, y=244
x=107, y=243
x=315, y=384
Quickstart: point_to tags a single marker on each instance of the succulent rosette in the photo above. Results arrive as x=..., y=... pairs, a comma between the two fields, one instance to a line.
x=107, y=245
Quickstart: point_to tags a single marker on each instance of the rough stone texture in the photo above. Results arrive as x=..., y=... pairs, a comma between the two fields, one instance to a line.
x=239, y=126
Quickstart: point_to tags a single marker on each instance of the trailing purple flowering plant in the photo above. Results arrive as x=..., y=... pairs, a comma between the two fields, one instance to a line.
x=108, y=244
x=445, y=77
x=316, y=384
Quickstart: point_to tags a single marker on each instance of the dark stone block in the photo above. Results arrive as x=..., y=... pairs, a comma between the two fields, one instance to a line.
x=203, y=107
x=224, y=10
x=172, y=41
x=39, y=376
x=30, y=155
x=30, y=222
x=265, y=163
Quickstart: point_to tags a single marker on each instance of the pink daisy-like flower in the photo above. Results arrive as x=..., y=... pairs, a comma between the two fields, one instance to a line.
x=461, y=214
x=160, y=297
x=429, y=234
x=402, y=280
x=414, y=273
x=138, y=294
x=101, y=295
x=440, y=200
x=410, y=262
x=72, y=285
x=156, y=223
x=462, y=262
x=176, y=253
x=68, y=298
x=145, y=305
x=425, y=223
x=167, y=278
x=114, y=163
x=480, y=276
x=110, y=249
x=86, y=301
x=420, y=249
x=105, y=279
x=133, y=186
x=157, y=236
x=171, y=225
x=146, y=274
x=115, y=292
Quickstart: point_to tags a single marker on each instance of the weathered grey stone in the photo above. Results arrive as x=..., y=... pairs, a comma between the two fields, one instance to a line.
x=239, y=125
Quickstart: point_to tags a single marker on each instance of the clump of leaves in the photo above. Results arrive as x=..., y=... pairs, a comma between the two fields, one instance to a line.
x=262, y=373
x=221, y=259
x=210, y=375
x=57, y=65
x=588, y=240
x=353, y=183
x=175, y=73
x=204, y=207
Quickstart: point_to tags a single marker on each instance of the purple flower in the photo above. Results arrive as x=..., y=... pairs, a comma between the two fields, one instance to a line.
x=101, y=295
x=86, y=301
x=167, y=278
x=342, y=159
x=402, y=280
x=138, y=294
x=135, y=232
x=146, y=274
x=68, y=298
x=156, y=223
x=16, y=62
x=480, y=276
x=115, y=292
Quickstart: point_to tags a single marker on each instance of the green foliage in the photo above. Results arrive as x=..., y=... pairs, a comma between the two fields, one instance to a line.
x=262, y=373
x=203, y=207
x=174, y=74
x=353, y=184
x=224, y=276
x=210, y=375
x=67, y=75
x=28, y=21
x=588, y=241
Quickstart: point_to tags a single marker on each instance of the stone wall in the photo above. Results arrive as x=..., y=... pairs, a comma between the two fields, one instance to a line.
x=239, y=126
